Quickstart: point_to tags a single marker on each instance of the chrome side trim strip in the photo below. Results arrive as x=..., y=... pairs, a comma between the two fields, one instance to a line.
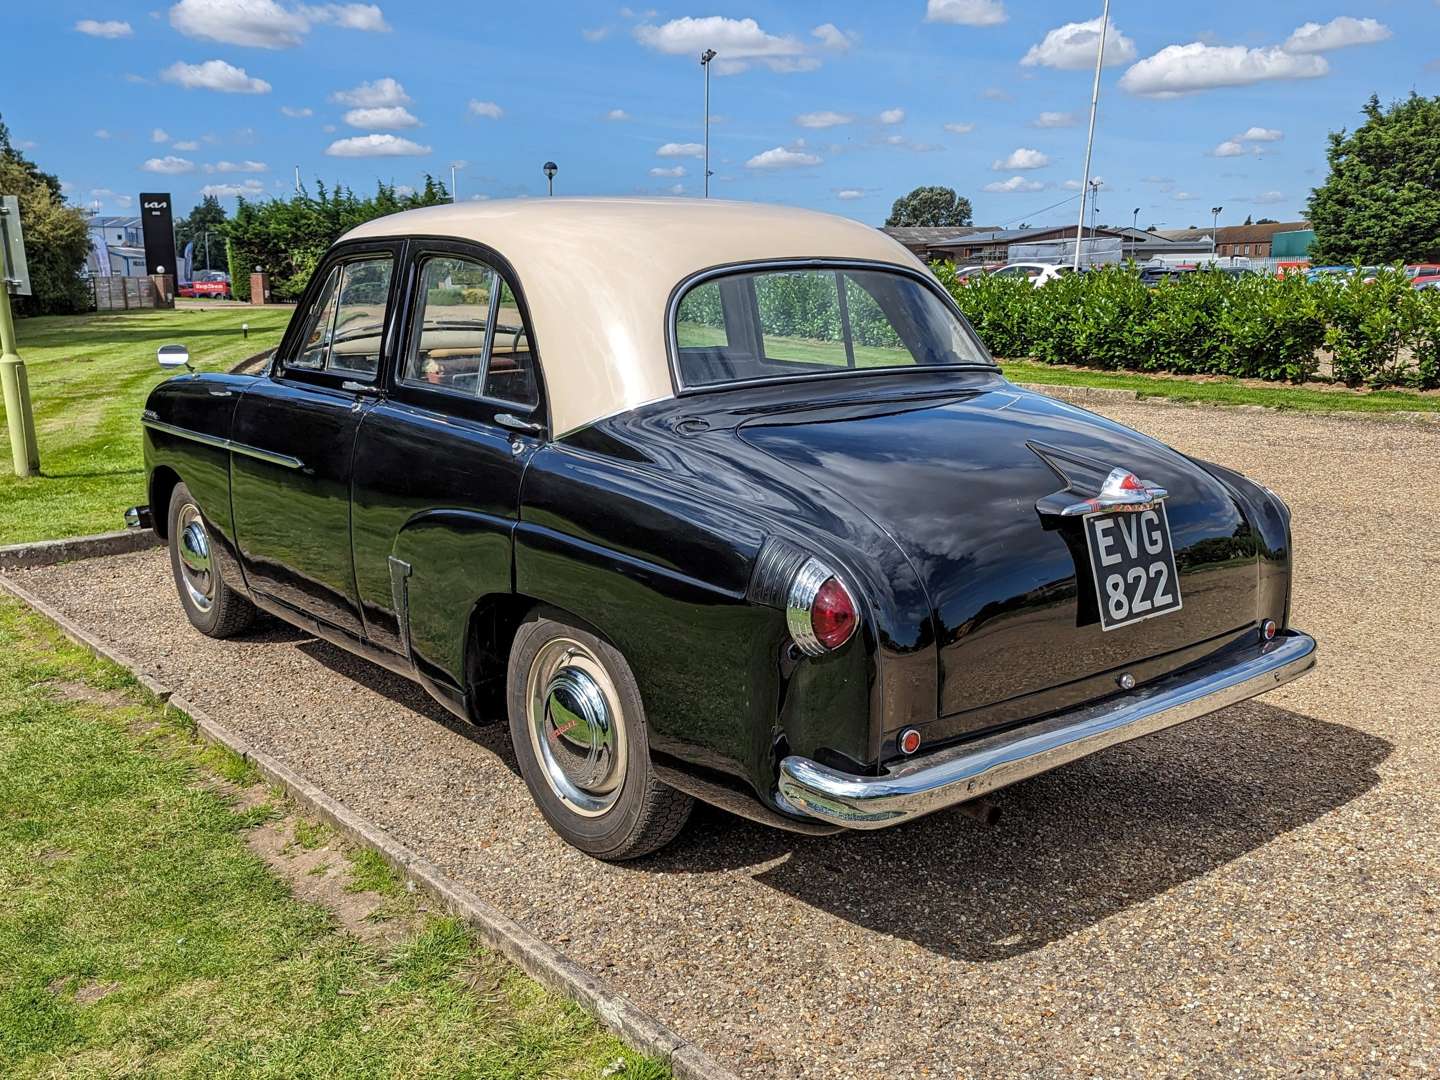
x=960, y=773
x=222, y=443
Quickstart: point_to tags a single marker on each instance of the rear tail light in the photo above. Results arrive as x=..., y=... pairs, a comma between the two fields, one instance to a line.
x=819, y=610
x=1268, y=630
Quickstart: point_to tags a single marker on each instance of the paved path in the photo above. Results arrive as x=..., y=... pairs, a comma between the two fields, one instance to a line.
x=1256, y=892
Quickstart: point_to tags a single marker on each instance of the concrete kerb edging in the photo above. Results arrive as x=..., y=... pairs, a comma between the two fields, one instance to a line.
x=540, y=961
x=51, y=552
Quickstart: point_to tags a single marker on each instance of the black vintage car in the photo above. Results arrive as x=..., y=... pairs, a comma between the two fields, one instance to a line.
x=714, y=501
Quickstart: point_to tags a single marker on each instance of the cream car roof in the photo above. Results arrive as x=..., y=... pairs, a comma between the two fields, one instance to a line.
x=598, y=273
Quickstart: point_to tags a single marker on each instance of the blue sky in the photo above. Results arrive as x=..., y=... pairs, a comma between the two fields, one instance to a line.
x=838, y=106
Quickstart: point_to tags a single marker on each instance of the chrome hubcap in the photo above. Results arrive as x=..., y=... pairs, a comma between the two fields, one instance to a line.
x=197, y=573
x=576, y=726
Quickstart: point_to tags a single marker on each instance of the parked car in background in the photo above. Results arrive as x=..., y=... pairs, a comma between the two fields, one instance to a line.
x=1430, y=281
x=965, y=273
x=710, y=500
x=214, y=284
x=1422, y=270
x=1153, y=274
x=1037, y=273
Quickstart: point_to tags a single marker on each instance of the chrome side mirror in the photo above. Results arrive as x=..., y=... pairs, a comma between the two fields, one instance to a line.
x=173, y=356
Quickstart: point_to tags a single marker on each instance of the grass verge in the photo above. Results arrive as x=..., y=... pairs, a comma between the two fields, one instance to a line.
x=89, y=377
x=141, y=934
x=1226, y=391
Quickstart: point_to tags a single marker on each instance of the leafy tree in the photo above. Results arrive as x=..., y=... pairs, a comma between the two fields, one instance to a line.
x=1248, y=220
x=1381, y=201
x=1267, y=221
x=288, y=237
x=938, y=207
x=207, y=217
x=57, y=236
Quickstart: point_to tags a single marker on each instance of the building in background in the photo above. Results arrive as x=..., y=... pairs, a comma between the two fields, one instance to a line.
x=117, y=246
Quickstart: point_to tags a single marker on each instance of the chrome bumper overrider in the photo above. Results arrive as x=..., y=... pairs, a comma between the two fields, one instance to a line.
x=971, y=769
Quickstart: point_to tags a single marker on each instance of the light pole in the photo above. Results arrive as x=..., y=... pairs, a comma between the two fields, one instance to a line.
x=1090, y=138
x=454, y=166
x=1214, y=226
x=1134, y=228
x=705, y=58
x=550, y=170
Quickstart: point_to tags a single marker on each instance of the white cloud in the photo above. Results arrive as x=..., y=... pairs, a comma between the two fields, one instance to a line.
x=214, y=75
x=1188, y=69
x=375, y=146
x=1015, y=183
x=487, y=109
x=159, y=135
x=1072, y=47
x=1260, y=134
x=849, y=194
x=185, y=144
x=1055, y=120
x=264, y=24
x=823, y=119
x=689, y=149
x=959, y=128
x=1154, y=179
x=1184, y=196
x=169, y=165
x=106, y=28
x=237, y=166
x=1023, y=158
x=599, y=33
x=677, y=189
x=1338, y=33
x=250, y=188
x=832, y=37
x=296, y=112
x=675, y=171
x=1269, y=198
x=892, y=116
x=966, y=12
x=1228, y=148
x=737, y=41
x=385, y=118
x=617, y=115
x=26, y=144
x=102, y=133
x=780, y=158
x=372, y=95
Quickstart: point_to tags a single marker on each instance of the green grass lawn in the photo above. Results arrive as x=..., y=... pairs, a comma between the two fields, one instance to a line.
x=89, y=376
x=141, y=936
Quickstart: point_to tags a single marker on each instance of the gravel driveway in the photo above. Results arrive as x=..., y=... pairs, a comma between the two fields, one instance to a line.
x=1255, y=892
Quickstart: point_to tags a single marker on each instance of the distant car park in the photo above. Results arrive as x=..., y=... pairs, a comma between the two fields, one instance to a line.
x=1037, y=273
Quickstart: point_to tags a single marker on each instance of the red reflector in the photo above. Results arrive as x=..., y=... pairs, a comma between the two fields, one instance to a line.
x=909, y=741
x=1268, y=629
x=833, y=615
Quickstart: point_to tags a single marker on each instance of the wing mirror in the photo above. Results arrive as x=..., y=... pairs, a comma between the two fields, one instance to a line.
x=173, y=356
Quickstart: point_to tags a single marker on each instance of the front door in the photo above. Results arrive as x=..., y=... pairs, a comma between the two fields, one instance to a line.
x=439, y=461
x=292, y=499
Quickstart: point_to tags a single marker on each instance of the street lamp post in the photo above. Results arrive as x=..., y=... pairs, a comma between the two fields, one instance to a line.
x=705, y=58
x=1134, y=228
x=550, y=170
x=1214, y=227
x=455, y=166
x=1090, y=138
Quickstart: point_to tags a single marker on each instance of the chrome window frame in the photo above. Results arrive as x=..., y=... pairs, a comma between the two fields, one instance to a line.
x=672, y=310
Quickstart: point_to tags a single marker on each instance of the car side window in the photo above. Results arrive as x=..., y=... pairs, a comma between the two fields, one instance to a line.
x=360, y=316
x=346, y=323
x=469, y=336
x=315, y=341
x=452, y=321
x=510, y=375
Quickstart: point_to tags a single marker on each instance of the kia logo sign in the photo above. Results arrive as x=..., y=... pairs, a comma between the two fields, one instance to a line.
x=156, y=205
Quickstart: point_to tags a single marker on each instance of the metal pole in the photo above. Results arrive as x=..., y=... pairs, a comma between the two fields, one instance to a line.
x=452, y=181
x=297, y=179
x=1090, y=138
x=24, y=451
x=207, y=251
x=549, y=185
x=705, y=58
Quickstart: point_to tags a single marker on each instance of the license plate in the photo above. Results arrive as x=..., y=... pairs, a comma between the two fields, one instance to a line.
x=1133, y=563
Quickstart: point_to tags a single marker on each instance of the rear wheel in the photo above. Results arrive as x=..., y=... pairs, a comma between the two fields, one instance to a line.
x=582, y=743
x=211, y=604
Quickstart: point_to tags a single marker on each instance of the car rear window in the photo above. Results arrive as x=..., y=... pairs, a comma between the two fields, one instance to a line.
x=783, y=323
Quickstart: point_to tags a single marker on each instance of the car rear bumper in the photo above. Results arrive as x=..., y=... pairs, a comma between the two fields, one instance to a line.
x=970, y=770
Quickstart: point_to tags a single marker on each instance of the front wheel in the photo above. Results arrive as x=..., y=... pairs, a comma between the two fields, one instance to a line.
x=581, y=741
x=211, y=604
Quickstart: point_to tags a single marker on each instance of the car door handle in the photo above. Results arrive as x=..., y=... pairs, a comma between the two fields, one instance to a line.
x=360, y=388
x=516, y=423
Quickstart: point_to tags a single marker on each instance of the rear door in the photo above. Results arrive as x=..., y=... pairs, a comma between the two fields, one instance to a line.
x=439, y=461
x=292, y=497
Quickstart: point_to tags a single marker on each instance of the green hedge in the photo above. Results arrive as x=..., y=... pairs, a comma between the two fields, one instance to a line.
x=1380, y=333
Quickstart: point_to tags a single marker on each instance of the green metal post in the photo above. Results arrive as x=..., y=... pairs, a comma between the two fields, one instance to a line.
x=23, y=448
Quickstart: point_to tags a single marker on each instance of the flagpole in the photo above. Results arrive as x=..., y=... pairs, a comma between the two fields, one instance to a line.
x=1090, y=139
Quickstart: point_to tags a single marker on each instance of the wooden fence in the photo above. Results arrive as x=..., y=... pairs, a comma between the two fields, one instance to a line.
x=122, y=293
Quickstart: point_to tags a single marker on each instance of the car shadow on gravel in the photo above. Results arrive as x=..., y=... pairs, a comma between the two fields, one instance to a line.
x=1072, y=847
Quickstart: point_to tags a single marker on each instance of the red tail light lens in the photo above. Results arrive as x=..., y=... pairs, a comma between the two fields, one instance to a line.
x=819, y=609
x=833, y=616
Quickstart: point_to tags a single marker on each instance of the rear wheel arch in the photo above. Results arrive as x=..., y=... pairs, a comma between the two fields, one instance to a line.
x=163, y=481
